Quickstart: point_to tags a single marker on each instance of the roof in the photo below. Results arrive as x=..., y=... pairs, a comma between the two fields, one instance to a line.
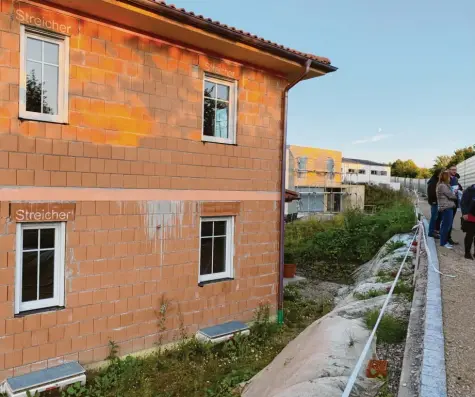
x=291, y=195
x=217, y=23
x=365, y=162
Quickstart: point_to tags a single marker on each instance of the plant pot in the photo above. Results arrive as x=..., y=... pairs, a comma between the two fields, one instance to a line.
x=377, y=368
x=290, y=270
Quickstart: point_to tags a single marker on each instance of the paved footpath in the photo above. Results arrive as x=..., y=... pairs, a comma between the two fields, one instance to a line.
x=458, y=301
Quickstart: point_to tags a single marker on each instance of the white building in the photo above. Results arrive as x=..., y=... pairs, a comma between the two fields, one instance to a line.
x=365, y=171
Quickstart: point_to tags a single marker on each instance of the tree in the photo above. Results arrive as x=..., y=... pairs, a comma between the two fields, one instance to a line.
x=424, y=173
x=461, y=155
x=441, y=162
x=34, y=92
x=404, y=169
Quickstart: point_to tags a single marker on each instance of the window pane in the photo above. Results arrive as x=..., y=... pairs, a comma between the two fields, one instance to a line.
x=51, y=53
x=220, y=228
x=46, y=274
x=222, y=120
x=33, y=87
x=29, y=276
x=33, y=49
x=46, y=238
x=50, y=90
x=206, y=256
x=219, y=257
x=206, y=229
x=30, y=239
x=209, y=117
x=223, y=92
x=210, y=89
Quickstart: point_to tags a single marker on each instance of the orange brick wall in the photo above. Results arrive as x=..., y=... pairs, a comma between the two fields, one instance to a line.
x=121, y=258
x=135, y=115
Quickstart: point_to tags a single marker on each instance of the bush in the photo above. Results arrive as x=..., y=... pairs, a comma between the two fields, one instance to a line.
x=382, y=197
x=337, y=249
x=390, y=330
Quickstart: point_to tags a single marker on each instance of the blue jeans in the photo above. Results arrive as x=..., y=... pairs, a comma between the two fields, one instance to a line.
x=434, y=213
x=446, y=225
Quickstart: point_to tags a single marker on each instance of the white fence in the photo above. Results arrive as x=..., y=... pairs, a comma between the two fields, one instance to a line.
x=420, y=185
x=466, y=170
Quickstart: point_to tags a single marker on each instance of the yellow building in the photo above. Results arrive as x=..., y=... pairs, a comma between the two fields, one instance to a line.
x=316, y=174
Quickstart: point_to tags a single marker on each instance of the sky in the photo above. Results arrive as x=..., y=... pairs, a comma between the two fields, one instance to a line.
x=405, y=87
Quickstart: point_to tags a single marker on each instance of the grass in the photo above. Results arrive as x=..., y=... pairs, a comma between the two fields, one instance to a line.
x=405, y=289
x=390, y=330
x=385, y=276
x=197, y=369
x=393, y=246
x=373, y=293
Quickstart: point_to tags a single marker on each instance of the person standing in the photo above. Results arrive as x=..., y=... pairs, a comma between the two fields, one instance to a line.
x=434, y=224
x=455, y=187
x=446, y=201
x=467, y=205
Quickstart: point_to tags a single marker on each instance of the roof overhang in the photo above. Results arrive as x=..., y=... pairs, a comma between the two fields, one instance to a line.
x=176, y=26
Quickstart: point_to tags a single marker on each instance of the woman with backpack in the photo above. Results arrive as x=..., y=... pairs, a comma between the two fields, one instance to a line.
x=467, y=205
x=446, y=200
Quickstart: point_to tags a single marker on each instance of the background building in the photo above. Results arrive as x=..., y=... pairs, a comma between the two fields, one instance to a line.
x=365, y=171
x=316, y=175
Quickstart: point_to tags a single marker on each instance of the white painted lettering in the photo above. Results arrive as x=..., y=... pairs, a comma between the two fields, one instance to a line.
x=20, y=215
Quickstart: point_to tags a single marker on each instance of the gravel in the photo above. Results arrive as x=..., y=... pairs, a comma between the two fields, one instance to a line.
x=394, y=353
x=458, y=300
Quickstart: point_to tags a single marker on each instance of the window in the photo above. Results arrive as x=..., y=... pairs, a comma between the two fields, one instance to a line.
x=39, y=266
x=216, y=248
x=351, y=171
x=219, y=110
x=373, y=172
x=384, y=173
x=330, y=168
x=302, y=166
x=362, y=172
x=44, y=67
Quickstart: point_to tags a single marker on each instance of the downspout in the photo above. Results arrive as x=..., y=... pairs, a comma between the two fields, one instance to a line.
x=280, y=307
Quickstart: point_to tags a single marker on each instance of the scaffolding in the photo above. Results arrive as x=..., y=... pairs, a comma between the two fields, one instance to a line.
x=320, y=182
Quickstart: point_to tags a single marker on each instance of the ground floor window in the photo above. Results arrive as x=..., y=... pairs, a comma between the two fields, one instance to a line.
x=216, y=248
x=39, y=266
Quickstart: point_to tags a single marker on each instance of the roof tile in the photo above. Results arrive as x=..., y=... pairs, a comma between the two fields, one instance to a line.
x=192, y=14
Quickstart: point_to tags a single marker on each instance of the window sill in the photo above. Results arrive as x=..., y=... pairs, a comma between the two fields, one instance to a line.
x=24, y=118
x=219, y=280
x=37, y=311
x=204, y=140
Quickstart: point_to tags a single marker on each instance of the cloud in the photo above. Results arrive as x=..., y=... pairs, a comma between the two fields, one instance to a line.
x=375, y=138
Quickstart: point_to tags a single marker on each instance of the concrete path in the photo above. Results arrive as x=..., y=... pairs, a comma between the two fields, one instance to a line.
x=458, y=300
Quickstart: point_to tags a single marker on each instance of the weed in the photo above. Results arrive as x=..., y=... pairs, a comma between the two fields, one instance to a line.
x=393, y=246
x=113, y=350
x=390, y=330
x=404, y=289
x=373, y=293
x=161, y=314
x=385, y=276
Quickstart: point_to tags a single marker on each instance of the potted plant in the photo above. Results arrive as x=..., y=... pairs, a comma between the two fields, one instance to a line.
x=377, y=369
x=290, y=267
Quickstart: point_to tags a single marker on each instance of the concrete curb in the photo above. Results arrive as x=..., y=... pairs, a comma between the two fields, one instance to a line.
x=433, y=376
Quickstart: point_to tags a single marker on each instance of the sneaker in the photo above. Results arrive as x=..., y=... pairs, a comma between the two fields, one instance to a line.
x=448, y=246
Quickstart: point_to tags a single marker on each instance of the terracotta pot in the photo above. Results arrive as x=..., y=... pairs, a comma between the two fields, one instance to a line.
x=290, y=270
x=377, y=368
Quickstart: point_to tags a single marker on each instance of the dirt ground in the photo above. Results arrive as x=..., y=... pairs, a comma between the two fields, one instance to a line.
x=458, y=300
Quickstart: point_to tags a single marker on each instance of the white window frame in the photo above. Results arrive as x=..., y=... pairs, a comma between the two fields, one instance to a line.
x=63, y=78
x=59, y=251
x=233, y=98
x=229, y=268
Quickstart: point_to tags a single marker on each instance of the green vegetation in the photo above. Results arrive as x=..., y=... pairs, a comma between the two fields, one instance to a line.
x=393, y=246
x=370, y=294
x=332, y=250
x=404, y=289
x=390, y=330
x=197, y=369
x=385, y=276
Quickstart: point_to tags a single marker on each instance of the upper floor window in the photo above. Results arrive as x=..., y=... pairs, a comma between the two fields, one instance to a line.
x=374, y=172
x=44, y=68
x=39, y=266
x=219, y=110
x=351, y=171
x=302, y=166
x=362, y=171
x=384, y=173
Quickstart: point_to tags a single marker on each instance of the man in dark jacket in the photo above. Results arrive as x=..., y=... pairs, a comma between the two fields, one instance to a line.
x=455, y=185
x=467, y=205
x=434, y=224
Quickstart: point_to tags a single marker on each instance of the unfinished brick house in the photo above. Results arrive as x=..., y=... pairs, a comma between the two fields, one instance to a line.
x=140, y=158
